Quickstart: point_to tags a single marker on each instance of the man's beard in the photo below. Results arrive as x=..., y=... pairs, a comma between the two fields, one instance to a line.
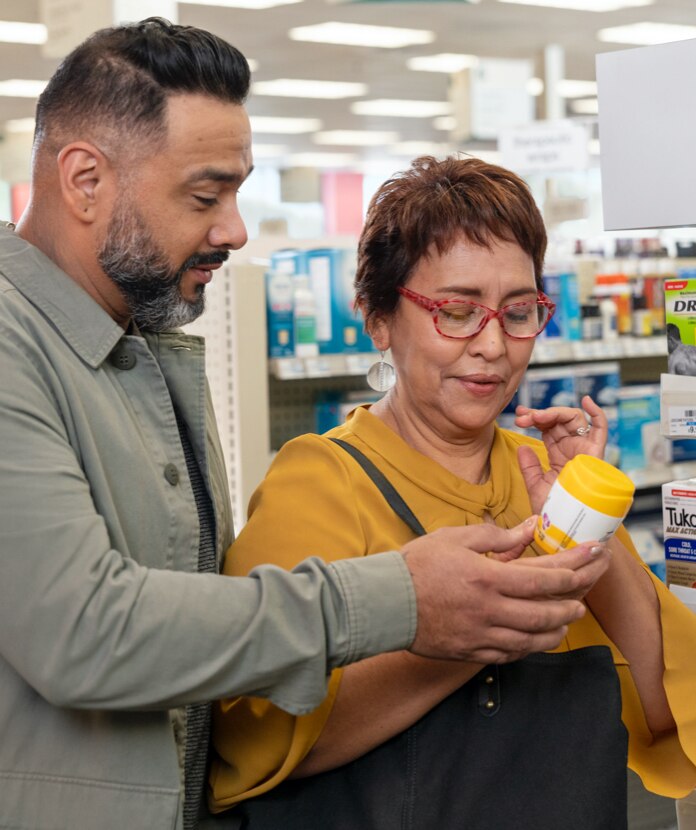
x=149, y=284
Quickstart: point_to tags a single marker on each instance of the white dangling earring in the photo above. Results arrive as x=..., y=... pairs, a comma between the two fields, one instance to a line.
x=381, y=376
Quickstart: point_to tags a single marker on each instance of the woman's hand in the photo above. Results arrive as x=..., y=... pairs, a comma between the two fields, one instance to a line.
x=567, y=431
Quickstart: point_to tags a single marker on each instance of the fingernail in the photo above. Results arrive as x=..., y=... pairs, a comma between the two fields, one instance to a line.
x=595, y=550
x=530, y=521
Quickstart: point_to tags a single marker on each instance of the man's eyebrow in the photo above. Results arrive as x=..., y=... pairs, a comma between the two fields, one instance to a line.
x=214, y=174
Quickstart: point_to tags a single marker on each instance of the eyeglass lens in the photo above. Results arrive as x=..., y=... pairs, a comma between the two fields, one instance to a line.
x=518, y=320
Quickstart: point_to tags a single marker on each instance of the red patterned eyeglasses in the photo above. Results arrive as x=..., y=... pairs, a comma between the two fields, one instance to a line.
x=462, y=319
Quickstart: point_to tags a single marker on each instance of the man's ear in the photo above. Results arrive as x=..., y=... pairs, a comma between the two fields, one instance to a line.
x=84, y=172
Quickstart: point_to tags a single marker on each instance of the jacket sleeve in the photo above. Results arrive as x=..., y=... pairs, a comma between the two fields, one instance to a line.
x=306, y=503
x=88, y=627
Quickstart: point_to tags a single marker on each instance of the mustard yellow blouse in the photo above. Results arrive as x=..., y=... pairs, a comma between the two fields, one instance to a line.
x=316, y=500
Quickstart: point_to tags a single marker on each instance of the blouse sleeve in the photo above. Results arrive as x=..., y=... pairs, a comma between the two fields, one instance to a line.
x=666, y=764
x=305, y=507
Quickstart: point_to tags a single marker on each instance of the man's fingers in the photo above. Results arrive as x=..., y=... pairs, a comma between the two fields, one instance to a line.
x=485, y=537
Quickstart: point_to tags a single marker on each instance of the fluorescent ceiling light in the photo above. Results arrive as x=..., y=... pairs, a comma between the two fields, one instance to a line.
x=296, y=88
x=444, y=62
x=321, y=159
x=401, y=108
x=445, y=122
x=21, y=89
x=576, y=89
x=593, y=146
x=20, y=125
x=583, y=5
x=265, y=151
x=585, y=106
x=420, y=148
x=646, y=34
x=288, y=126
x=15, y=32
x=241, y=4
x=357, y=138
x=357, y=34
x=534, y=86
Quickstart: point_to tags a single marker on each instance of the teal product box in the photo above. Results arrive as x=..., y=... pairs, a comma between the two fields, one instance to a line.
x=347, y=322
x=339, y=324
x=326, y=412
x=289, y=261
x=280, y=323
x=562, y=288
x=683, y=449
x=321, y=262
x=602, y=381
x=640, y=443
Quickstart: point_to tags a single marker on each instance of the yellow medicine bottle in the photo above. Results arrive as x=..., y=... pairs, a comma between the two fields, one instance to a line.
x=587, y=502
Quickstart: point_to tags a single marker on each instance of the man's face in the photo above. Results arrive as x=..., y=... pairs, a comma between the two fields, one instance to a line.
x=178, y=218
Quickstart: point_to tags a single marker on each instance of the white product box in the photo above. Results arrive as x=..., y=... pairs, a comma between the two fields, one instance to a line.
x=679, y=521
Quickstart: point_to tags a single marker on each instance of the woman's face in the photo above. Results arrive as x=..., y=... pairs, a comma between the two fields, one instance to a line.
x=458, y=387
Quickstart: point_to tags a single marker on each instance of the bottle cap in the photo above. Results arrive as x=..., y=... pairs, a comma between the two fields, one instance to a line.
x=598, y=484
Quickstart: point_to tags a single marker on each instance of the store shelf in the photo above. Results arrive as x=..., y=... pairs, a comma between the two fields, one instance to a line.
x=560, y=351
x=657, y=475
x=323, y=366
x=545, y=351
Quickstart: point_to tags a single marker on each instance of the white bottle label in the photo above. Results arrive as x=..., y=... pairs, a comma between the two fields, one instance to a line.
x=565, y=522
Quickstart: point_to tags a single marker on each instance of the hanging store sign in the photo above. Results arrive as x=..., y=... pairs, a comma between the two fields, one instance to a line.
x=545, y=147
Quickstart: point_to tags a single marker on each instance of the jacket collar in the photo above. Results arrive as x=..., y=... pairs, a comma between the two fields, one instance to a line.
x=84, y=325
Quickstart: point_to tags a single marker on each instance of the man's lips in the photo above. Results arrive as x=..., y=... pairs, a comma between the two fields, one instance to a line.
x=204, y=272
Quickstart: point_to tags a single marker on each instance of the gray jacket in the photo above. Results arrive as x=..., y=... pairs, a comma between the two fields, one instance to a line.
x=103, y=625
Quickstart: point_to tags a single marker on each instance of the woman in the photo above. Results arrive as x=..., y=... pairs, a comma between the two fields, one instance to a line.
x=449, y=280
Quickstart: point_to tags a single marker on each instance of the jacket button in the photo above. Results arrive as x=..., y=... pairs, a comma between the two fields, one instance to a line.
x=122, y=358
x=171, y=473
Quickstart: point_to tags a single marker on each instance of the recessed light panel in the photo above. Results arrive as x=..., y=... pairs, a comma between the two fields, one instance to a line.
x=646, y=34
x=357, y=138
x=401, y=108
x=288, y=126
x=357, y=34
x=296, y=88
x=447, y=62
x=583, y=5
x=241, y=4
x=12, y=31
x=18, y=88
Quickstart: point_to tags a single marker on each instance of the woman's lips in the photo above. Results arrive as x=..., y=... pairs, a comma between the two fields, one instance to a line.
x=481, y=385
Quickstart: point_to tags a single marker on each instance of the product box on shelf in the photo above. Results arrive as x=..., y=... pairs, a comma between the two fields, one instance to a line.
x=279, y=314
x=679, y=523
x=680, y=316
x=339, y=323
x=641, y=444
x=562, y=287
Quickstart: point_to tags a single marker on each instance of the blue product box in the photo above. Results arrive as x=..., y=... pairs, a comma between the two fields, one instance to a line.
x=289, y=261
x=640, y=443
x=552, y=289
x=562, y=288
x=321, y=263
x=553, y=386
x=348, y=328
x=279, y=314
x=683, y=449
x=327, y=412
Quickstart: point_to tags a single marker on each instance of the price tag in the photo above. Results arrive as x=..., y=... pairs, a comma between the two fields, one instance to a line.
x=682, y=421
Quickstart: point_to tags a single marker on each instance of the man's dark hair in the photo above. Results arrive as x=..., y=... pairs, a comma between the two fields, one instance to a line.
x=119, y=79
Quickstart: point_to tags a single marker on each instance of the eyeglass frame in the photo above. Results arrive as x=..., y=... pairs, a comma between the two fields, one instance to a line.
x=434, y=306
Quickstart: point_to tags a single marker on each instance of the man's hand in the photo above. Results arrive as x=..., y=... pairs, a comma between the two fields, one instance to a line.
x=474, y=607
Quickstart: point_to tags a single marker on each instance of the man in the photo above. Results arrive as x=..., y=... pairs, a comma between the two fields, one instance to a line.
x=114, y=508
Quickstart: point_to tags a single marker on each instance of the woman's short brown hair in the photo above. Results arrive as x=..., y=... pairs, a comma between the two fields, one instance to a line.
x=433, y=203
